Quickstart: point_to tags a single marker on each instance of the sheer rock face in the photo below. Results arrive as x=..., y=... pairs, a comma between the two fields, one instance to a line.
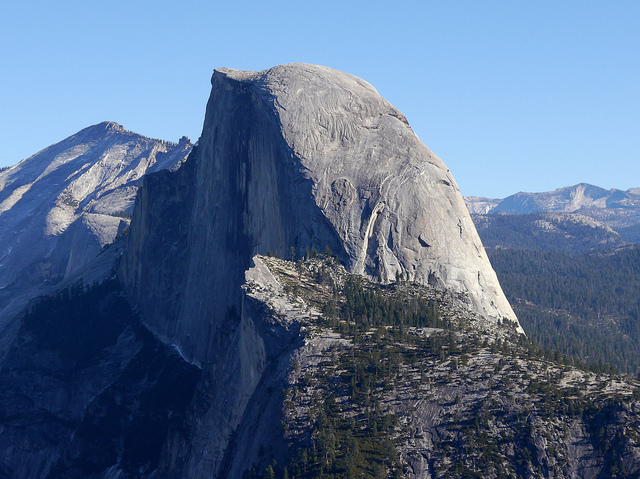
x=301, y=156
x=295, y=157
x=392, y=202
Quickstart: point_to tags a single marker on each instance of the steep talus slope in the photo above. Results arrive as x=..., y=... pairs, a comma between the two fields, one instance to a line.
x=66, y=202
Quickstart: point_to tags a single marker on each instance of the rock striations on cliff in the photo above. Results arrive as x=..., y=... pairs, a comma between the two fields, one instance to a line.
x=291, y=159
x=295, y=157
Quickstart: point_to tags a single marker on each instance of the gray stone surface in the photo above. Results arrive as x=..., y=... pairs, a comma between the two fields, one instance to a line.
x=292, y=158
x=393, y=203
x=295, y=157
x=435, y=402
x=76, y=403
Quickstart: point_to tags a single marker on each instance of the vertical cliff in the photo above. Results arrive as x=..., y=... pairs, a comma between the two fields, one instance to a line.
x=293, y=158
x=300, y=156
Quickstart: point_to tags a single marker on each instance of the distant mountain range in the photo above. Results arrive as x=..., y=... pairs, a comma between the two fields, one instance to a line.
x=568, y=265
x=617, y=209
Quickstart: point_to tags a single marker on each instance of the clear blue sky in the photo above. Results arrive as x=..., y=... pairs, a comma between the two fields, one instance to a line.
x=512, y=95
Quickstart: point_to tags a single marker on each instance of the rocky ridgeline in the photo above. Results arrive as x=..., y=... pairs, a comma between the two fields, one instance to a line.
x=298, y=156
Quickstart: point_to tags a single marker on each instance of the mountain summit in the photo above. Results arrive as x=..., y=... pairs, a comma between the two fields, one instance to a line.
x=293, y=158
x=213, y=340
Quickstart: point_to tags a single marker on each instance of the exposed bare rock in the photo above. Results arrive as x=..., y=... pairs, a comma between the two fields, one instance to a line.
x=392, y=202
x=86, y=391
x=398, y=357
x=295, y=157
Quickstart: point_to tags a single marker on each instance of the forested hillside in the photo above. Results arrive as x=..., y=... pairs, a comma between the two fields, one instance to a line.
x=575, y=286
x=396, y=381
x=586, y=306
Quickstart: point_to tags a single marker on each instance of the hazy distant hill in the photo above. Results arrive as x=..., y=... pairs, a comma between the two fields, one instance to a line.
x=620, y=210
x=566, y=232
x=571, y=279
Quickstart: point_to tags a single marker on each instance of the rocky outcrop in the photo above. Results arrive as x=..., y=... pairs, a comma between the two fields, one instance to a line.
x=393, y=204
x=87, y=391
x=432, y=402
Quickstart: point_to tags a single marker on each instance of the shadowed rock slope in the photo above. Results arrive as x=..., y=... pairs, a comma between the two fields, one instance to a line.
x=87, y=391
x=320, y=373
